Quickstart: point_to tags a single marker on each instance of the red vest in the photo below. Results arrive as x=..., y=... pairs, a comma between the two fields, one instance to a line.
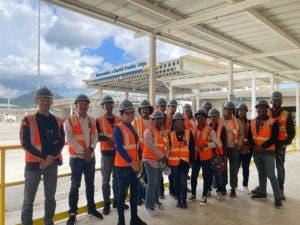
x=219, y=147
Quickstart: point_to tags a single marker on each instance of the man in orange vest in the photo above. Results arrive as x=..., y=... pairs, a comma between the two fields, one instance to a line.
x=140, y=124
x=206, y=106
x=42, y=137
x=189, y=119
x=235, y=138
x=81, y=135
x=263, y=135
x=105, y=125
x=181, y=156
x=127, y=162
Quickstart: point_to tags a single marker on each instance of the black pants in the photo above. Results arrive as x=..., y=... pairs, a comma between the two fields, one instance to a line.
x=179, y=176
x=245, y=160
x=79, y=167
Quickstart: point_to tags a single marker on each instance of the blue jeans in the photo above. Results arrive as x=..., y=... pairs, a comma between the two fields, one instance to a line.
x=79, y=167
x=245, y=160
x=153, y=186
x=265, y=164
x=207, y=176
x=127, y=177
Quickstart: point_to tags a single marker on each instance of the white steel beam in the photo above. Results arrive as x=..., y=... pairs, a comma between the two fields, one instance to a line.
x=267, y=54
x=152, y=71
x=253, y=95
x=230, y=80
x=204, y=16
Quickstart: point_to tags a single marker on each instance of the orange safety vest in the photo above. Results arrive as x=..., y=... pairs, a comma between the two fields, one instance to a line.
x=78, y=133
x=219, y=147
x=107, y=130
x=264, y=133
x=179, y=150
x=201, y=137
x=235, y=128
x=189, y=124
x=282, y=121
x=35, y=138
x=160, y=142
x=140, y=127
x=129, y=144
x=168, y=124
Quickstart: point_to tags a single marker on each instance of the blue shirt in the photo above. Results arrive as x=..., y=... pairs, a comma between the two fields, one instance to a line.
x=119, y=142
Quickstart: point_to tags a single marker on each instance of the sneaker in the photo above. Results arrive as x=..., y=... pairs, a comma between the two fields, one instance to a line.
x=246, y=189
x=259, y=196
x=282, y=196
x=106, y=209
x=72, y=219
x=137, y=221
x=150, y=212
x=232, y=193
x=191, y=198
x=96, y=214
x=209, y=193
x=203, y=201
x=278, y=204
x=219, y=196
x=255, y=190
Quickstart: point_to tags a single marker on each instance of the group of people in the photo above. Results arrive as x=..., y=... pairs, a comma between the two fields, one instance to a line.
x=137, y=151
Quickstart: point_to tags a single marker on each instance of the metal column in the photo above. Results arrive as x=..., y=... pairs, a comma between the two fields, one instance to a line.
x=230, y=80
x=152, y=71
x=298, y=116
x=253, y=111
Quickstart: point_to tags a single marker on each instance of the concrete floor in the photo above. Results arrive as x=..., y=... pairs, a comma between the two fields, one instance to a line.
x=241, y=210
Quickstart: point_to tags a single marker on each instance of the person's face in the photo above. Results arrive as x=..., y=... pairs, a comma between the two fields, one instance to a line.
x=242, y=113
x=179, y=125
x=214, y=120
x=262, y=110
x=172, y=109
x=128, y=115
x=158, y=123
x=44, y=104
x=145, y=112
x=206, y=109
x=188, y=113
x=161, y=108
x=276, y=103
x=227, y=112
x=108, y=107
x=201, y=119
x=82, y=107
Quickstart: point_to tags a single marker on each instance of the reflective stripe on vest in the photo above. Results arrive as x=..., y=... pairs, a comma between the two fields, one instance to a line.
x=179, y=150
x=282, y=121
x=201, y=137
x=107, y=130
x=35, y=137
x=129, y=144
x=264, y=133
x=160, y=142
x=78, y=133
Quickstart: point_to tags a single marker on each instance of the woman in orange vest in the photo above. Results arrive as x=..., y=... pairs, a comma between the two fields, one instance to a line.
x=189, y=119
x=127, y=162
x=155, y=155
x=181, y=156
x=263, y=135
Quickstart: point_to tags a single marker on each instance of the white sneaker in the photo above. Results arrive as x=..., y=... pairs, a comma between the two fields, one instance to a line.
x=203, y=201
x=191, y=198
x=246, y=189
x=151, y=212
x=219, y=196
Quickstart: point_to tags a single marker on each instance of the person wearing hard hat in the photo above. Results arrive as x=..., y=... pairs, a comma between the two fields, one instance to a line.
x=205, y=139
x=245, y=150
x=105, y=125
x=128, y=162
x=140, y=124
x=263, y=136
x=182, y=148
x=235, y=138
x=155, y=155
x=42, y=137
x=82, y=137
x=221, y=136
x=189, y=119
x=206, y=106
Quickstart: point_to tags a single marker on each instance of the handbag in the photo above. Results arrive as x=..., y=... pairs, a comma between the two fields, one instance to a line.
x=218, y=162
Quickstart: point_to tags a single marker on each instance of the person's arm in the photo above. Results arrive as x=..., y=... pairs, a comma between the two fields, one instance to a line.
x=94, y=142
x=71, y=139
x=274, y=136
x=101, y=137
x=26, y=141
x=212, y=138
x=250, y=137
x=290, y=129
x=119, y=145
x=149, y=139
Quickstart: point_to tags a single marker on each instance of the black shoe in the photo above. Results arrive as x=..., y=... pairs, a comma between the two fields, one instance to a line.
x=259, y=196
x=106, y=209
x=278, y=204
x=96, y=214
x=121, y=223
x=114, y=204
x=140, y=202
x=137, y=221
x=72, y=219
x=256, y=190
x=184, y=205
x=126, y=206
x=232, y=193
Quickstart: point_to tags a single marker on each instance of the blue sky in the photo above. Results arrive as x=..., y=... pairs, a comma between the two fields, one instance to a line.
x=72, y=48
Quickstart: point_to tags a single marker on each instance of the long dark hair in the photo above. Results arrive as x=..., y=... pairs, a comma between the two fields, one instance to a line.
x=237, y=115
